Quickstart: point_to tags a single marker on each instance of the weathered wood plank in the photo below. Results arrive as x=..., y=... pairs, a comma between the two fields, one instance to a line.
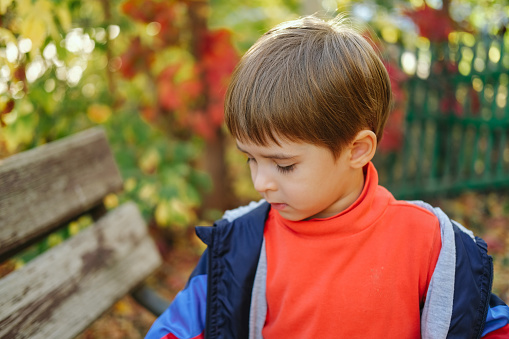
x=45, y=187
x=58, y=294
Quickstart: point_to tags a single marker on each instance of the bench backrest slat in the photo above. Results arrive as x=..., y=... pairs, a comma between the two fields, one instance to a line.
x=62, y=291
x=47, y=186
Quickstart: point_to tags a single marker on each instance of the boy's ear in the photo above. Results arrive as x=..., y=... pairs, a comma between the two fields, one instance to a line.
x=363, y=148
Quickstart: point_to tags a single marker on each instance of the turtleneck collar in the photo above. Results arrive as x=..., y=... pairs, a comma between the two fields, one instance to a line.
x=368, y=207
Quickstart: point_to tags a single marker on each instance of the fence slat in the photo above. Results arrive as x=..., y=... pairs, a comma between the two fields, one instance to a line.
x=465, y=98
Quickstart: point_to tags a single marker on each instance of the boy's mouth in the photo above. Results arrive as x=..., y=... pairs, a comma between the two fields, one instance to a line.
x=278, y=206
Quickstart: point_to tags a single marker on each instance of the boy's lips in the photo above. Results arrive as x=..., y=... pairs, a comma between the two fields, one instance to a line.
x=278, y=206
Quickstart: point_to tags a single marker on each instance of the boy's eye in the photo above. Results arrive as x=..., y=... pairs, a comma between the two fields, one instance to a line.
x=250, y=159
x=286, y=169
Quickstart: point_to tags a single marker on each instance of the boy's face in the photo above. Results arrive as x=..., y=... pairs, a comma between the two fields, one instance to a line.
x=301, y=180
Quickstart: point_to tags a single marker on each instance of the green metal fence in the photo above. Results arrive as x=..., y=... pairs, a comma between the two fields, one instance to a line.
x=457, y=121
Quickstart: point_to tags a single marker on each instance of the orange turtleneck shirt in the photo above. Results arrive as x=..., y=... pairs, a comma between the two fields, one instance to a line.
x=362, y=273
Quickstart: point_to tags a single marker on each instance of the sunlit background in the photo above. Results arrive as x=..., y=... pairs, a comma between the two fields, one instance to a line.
x=153, y=74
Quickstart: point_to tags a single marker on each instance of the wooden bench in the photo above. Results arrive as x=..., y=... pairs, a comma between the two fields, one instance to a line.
x=63, y=290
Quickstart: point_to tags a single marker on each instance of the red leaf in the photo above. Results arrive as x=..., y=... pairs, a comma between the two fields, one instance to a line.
x=169, y=33
x=149, y=113
x=449, y=104
x=144, y=10
x=433, y=24
x=392, y=139
x=218, y=56
x=201, y=125
x=495, y=244
x=218, y=59
x=216, y=112
x=397, y=77
x=9, y=106
x=444, y=66
x=20, y=73
x=136, y=58
x=475, y=102
x=169, y=99
x=173, y=95
x=162, y=12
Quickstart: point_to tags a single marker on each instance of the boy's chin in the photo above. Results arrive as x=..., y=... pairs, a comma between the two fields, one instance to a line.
x=292, y=216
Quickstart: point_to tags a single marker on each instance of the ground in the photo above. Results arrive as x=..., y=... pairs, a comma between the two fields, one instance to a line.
x=128, y=320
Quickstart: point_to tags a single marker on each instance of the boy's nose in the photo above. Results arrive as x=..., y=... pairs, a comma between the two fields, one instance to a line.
x=263, y=182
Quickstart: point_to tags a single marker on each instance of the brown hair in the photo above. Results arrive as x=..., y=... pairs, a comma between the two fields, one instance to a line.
x=308, y=80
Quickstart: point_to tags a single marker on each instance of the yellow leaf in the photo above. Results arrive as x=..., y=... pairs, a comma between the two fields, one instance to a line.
x=17, y=134
x=7, y=36
x=18, y=264
x=181, y=215
x=36, y=21
x=46, y=11
x=4, y=4
x=162, y=213
x=54, y=239
x=99, y=113
x=150, y=161
x=74, y=228
x=85, y=221
x=123, y=308
x=148, y=193
x=34, y=29
x=129, y=184
x=111, y=201
x=24, y=7
x=64, y=16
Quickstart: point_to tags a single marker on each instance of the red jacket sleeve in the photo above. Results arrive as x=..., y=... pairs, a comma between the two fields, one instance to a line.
x=497, y=319
x=501, y=333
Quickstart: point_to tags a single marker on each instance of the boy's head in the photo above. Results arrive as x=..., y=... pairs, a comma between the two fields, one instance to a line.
x=308, y=81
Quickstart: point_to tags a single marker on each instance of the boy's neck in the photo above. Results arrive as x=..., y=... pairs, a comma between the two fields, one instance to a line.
x=358, y=180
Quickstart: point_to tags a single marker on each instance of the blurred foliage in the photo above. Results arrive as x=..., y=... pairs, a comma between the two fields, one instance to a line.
x=487, y=214
x=249, y=20
x=68, y=65
x=153, y=74
x=184, y=65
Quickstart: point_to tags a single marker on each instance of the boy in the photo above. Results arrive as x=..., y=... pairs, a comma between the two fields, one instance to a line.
x=328, y=253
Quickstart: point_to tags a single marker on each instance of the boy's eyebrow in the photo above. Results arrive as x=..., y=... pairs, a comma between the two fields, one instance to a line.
x=279, y=156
